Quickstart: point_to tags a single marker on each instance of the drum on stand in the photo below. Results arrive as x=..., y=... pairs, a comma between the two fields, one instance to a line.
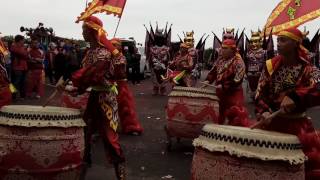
x=234, y=153
x=38, y=143
x=188, y=110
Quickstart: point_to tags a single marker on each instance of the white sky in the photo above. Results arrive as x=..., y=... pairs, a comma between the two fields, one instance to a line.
x=202, y=16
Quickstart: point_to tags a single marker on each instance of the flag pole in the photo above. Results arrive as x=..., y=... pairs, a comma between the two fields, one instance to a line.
x=115, y=32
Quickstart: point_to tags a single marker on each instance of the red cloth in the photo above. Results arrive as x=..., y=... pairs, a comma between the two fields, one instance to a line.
x=35, y=82
x=20, y=54
x=35, y=54
x=231, y=43
x=5, y=96
x=231, y=107
x=127, y=110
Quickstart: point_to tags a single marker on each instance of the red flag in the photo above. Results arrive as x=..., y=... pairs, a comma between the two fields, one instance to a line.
x=114, y=7
x=3, y=50
x=292, y=13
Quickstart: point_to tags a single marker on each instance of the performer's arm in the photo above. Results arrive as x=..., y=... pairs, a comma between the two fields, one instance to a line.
x=308, y=94
x=240, y=71
x=212, y=75
x=261, y=104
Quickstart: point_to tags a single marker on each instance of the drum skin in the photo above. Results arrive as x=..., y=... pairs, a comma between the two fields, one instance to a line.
x=41, y=153
x=238, y=153
x=188, y=111
x=216, y=165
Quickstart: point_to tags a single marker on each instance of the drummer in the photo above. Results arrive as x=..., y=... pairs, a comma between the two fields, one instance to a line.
x=102, y=109
x=228, y=73
x=290, y=83
x=5, y=93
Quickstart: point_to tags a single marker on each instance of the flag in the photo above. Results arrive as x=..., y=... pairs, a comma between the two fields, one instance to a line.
x=3, y=50
x=292, y=13
x=114, y=7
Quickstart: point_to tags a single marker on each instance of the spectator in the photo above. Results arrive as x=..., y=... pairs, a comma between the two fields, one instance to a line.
x=35, y=76
x=50, y=56
x=19, y=64
x=59, y=64
x=136, y=57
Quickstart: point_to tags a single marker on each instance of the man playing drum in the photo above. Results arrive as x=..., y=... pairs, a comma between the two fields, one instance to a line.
x=291, y=84
x=228, y=73
x=100, y=72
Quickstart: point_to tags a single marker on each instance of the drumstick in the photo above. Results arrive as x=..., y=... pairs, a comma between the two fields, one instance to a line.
x=53, y=94
x=272, y=116
x=50, y=98
x=208, y=84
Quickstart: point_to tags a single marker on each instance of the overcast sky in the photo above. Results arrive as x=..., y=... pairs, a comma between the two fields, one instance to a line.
x=202, y=16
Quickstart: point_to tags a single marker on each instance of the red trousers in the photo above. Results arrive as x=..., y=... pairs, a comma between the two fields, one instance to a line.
x=231, y=107
x=127, y=110
x=97, y=121
x=310, y=140
x=35, y=82
x=5, y=96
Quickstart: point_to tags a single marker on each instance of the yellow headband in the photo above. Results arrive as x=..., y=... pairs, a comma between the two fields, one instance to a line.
x=290, y=35
x=96, y=27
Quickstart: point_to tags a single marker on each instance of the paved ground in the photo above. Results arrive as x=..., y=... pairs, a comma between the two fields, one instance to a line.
x=146, y=155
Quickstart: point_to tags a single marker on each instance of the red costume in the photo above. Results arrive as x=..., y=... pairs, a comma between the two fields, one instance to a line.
x=101, y=113
x=183, y=64
x=301, y=83
x=159, y=57
x=126, y=104
x=35, y=76
x=229, y=75
x=5, y=93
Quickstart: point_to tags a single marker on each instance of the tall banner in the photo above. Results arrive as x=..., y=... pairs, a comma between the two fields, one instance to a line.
x=292, y=13
x=114, y=7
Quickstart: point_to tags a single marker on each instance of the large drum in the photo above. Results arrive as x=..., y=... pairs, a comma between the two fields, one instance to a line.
x=234, y=153
x=189, y=109
x=39, y=143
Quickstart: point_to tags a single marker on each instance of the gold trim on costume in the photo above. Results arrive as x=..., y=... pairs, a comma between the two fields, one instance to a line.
x=269, y=66
x=115, y=52
x=290, y=35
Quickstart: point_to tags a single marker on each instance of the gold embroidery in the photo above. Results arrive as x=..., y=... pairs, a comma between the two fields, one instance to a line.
x=291, y=12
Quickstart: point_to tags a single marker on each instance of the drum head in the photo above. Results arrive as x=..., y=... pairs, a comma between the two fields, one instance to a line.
x=245, y=142
x=37, y=116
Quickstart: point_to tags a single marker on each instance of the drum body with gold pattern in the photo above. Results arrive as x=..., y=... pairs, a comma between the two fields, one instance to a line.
x=38, y=143
x=236, y=153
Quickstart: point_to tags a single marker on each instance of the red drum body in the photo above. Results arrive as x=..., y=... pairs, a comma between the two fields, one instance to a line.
x=39, y=143
x=189, y=109
x=235, y=153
